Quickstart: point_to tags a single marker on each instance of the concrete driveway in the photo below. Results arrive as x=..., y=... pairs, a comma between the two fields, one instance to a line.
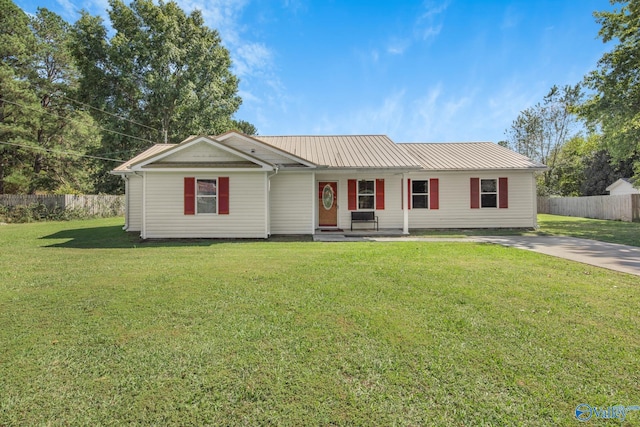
x=600, y=254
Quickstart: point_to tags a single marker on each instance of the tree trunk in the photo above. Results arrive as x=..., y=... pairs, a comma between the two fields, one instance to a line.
x=2, y=175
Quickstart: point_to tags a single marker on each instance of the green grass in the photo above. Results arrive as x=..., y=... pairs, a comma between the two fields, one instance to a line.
x=97, y=328
x=626, y=233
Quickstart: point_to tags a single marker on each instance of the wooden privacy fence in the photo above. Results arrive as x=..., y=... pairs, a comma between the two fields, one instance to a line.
x=97, y=205
x=621, y=208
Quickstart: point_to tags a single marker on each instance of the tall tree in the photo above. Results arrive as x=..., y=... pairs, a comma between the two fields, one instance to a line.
x=61, y=127
x=35, y=69
x=16, y=44
x=161, y=74
x=540, y=131
x=614, y=106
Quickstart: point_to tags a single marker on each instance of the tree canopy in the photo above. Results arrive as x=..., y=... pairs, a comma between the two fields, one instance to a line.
x=539, y=132
x=71, y=93
x=160, y=68
x=38, y=130
x=613, y=109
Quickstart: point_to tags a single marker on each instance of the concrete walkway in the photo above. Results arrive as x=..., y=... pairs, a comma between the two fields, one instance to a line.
x=625, y=259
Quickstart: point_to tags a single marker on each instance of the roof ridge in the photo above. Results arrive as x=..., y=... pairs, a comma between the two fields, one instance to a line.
x=321, y=135
x=447, y=142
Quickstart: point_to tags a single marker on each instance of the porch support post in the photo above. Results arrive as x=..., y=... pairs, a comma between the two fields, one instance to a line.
x=314, y=201
x=405, y=207
x=143, y=233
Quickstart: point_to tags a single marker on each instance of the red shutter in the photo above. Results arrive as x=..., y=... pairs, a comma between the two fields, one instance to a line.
x=189, y=196
x=475, y=193
x=503, y=193
x=352, y=194
x=380, y=194
x=408, y=194
x=223, y=195
x=434, y=193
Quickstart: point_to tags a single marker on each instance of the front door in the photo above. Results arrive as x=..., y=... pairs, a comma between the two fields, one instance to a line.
x=328, y=204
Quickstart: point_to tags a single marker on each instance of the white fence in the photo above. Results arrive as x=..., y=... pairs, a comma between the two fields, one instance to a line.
x=98, y=205
x=620, y=208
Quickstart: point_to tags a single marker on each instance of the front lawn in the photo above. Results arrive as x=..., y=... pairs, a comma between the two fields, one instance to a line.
x=626, y=233
x=97, y=328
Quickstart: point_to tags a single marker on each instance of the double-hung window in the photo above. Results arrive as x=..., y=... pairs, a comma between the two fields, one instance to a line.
x=489, y=193
x=207, y=196
x=366, y=194
x=420, y=194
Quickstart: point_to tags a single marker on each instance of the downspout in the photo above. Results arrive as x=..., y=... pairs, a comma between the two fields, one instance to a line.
x=127, y=195
x=535, y=200
x=143, y=232
x=405, y=210
x=267, y=215
x=314, y=200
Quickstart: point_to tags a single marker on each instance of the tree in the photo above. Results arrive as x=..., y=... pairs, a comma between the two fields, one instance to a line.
x=614, y=106
x=244, y=127
x=571, y=161
x=162, y=74
x=601, y=170
x=60, y=127
x=16, y=43
x=540, y=131
x=35, y=68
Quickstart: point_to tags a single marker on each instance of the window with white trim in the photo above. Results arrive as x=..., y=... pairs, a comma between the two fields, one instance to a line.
x=366, y=194
x=489, y=193
x=206, y=196
x=420, y=194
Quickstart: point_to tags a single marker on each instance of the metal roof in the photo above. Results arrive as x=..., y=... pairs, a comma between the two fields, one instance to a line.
x=467, y=155
x=345, y=151
x=378, y=151
x=154, y=150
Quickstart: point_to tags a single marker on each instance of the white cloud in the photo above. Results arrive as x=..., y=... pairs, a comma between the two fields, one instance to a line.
x=384, y=118
x=429, y=25
x=511, y=18
x=435, y=115
x=398, y=46
x=425, y=28
x=295, y=6
x=69, y=8
x=253, y=61
x=250, y=57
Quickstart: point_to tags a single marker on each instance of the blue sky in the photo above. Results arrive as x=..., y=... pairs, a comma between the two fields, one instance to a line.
x=417, y=71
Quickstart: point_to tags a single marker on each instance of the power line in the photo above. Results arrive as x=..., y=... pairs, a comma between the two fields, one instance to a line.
x=51, y=150
x=69, y=118
x=106, y=112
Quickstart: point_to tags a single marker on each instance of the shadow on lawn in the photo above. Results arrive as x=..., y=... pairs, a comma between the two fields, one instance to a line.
x=113, y=237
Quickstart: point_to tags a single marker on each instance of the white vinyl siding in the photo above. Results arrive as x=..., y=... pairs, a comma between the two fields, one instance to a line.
x=165, y=207
x=455, y=211
x=201, y=152
x=256, y=149
x=134, y=203
x=290, y=202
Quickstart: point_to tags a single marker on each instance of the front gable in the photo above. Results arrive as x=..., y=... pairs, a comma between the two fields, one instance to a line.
x=262, y=150
x=202, y=152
